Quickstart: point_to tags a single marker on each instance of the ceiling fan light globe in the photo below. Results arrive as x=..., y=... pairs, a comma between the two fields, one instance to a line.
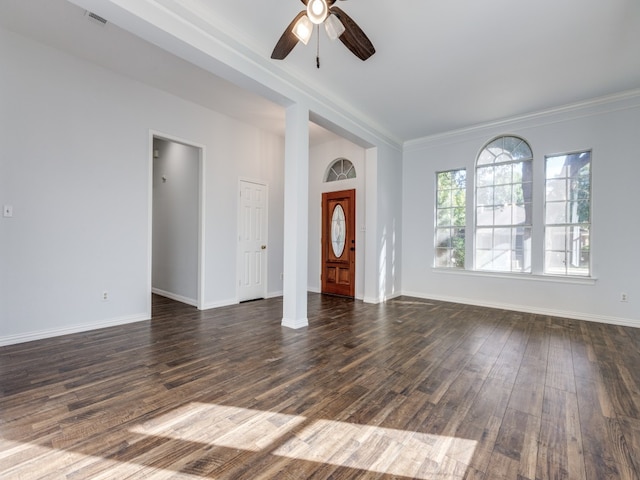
x=317, y=11
x=303, y=29
x=334, y=27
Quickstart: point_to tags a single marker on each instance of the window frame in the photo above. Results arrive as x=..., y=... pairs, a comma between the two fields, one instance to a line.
x=545, y=225
x=512, y=227
x=343, y=174
x=451, y=225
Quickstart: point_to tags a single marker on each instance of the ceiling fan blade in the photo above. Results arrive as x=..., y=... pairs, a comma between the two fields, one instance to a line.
x=287, y=41
x=353, y=37
x=305, y=2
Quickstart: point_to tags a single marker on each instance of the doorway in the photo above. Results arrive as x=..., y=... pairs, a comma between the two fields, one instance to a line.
x=176, y=220
x=252, y=240
x=339, y=243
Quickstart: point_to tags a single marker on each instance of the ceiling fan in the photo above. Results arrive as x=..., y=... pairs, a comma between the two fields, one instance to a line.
x=337, y=25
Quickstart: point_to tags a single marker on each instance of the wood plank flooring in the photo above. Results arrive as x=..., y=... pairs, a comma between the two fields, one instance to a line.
x=408, y=389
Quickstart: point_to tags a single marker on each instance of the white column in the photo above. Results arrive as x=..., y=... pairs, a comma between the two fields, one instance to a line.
x=372, y=273
x=296, y=213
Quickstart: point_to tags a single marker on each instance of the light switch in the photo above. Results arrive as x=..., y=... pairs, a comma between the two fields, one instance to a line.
x=7, y=211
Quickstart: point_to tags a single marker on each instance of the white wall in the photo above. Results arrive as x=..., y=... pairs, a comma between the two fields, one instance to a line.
x=176, y=207
x=610, y=129
x=320, y=158
x=76, y=168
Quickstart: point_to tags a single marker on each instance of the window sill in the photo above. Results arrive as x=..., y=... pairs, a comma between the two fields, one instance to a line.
x=535, y=277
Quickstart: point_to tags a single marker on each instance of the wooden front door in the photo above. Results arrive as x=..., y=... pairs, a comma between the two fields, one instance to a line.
x=339, y=243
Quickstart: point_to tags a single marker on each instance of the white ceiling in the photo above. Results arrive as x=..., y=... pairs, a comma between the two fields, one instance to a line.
x=440, y=65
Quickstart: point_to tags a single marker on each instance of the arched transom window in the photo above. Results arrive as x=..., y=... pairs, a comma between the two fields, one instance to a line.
x=341, y=169
x=503, y=206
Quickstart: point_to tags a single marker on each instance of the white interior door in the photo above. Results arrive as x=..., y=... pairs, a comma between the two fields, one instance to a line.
x=252, y=241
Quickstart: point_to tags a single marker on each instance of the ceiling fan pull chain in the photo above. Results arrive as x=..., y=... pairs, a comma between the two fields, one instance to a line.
x=318, y=50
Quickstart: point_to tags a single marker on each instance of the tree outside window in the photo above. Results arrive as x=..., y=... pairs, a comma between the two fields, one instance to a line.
x=450, y=212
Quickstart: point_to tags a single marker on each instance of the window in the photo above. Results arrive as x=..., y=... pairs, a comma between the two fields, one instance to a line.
x=503, y=206
x=341, y=169
x=567, y=214
x=450, y=218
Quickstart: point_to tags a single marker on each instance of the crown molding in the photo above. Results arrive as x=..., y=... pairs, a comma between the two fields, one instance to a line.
x=594, y=106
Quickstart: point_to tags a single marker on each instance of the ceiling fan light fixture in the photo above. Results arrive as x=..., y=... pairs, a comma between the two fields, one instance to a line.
x=333, y=26
x=317, y=11
x=303, y=29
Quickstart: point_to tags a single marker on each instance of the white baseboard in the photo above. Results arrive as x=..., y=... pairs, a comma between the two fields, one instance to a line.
x=173, y=296
x=56, y=332
x=375, y=300
x=625, y=322
x=274, y=294
x=295, y=323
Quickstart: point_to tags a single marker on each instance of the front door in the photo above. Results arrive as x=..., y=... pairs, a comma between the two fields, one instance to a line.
x=252, y=238
x=339, y=243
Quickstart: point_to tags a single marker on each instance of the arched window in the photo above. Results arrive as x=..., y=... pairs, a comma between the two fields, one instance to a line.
x=341, y=169
x=503, y=206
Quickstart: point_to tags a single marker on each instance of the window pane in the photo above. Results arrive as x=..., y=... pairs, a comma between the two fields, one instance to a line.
x=555, y=263
x=524, y=194
x=484, y=176
x=511, y=144
x=442, y=257
x=458, y=247
x=459, y=178
x=459, y=219
x=443, y=237
x=444, y=198
x=579, y=211
x=501, y=260
x=556, y=212
x=484, y=259
x=556, y=190
x=555, y=167
x=503, y=174
x=484, y=216
x=522, y=250
x=444, y=180
x=502, y=238
x=522, y=152
x=503, y=195
x=555, y=238
x=484, y=238
x=519, y=214
x=444, y=217
x=486, y=157
x=484, y=196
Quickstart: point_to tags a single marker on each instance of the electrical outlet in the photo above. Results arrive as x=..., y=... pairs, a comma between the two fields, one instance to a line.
x=624, y=297
x=105, y=296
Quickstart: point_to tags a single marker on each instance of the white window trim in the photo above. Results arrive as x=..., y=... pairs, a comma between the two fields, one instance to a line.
x=536, y=277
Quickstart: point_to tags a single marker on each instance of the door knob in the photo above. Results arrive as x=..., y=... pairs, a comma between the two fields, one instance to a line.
x=263, y=247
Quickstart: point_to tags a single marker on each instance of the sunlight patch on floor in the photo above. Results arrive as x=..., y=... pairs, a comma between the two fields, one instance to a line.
x=223, y=426
x=28, y=461
x=362, y=447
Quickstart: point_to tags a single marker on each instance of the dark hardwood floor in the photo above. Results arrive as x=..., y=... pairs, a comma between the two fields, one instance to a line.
x=407, y=389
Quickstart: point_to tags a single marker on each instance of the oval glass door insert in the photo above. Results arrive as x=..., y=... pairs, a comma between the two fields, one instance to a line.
x=338, y=231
